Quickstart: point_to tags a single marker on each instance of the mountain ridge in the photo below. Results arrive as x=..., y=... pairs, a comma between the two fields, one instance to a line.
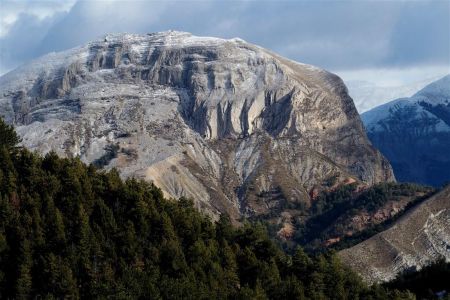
x=420, y=237
x=414, y=133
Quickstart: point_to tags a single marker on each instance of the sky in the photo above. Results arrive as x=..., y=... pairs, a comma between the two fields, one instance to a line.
x=387, y=43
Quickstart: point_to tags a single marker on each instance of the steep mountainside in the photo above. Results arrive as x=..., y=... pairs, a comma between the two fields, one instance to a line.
x=344, y=216
x=420, y=237
x=228, y=123
x=414, y=134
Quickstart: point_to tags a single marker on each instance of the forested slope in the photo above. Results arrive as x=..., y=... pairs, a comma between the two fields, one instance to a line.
x=69, y=230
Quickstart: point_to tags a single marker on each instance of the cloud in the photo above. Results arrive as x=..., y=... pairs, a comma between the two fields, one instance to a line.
x=23, y=38
x=23, y=26
x=391, y=77
x=336, y=35
x=12, y=9
x=422, y=34
x=89, y=20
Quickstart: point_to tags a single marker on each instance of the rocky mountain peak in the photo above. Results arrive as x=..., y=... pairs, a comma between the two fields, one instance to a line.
x=228, y=123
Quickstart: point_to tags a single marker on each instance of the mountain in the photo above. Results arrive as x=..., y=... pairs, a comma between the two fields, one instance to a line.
x=368, y=95
x=417, y=239
x=414, y=134
x=232, y=125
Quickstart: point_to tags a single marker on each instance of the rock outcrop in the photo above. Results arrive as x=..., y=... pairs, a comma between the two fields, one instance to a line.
x=417, y=239
x=414, y=134
x=236, y=127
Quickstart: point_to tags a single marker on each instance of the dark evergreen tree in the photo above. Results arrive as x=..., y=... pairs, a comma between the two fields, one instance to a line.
x=8, y=136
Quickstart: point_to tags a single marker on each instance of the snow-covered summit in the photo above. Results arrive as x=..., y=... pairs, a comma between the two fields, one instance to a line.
x=139, y=44
x=434, y=95
x=168, y=38
x=437, y=92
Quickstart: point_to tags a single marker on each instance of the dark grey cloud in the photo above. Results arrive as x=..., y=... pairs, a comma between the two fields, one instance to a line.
x=422, y=34
x=337, y=35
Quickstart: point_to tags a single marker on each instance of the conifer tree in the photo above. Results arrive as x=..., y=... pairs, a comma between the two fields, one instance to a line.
x=8, y=136
x=24, y=278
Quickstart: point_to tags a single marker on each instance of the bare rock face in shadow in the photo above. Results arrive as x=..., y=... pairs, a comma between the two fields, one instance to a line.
x=232, y=125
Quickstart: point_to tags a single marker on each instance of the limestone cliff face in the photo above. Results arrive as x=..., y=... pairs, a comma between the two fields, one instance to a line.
x=419, y=238
x=236, y=127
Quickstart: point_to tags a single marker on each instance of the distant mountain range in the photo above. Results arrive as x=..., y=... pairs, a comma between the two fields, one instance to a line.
x=368, y=95
x=414, y=134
